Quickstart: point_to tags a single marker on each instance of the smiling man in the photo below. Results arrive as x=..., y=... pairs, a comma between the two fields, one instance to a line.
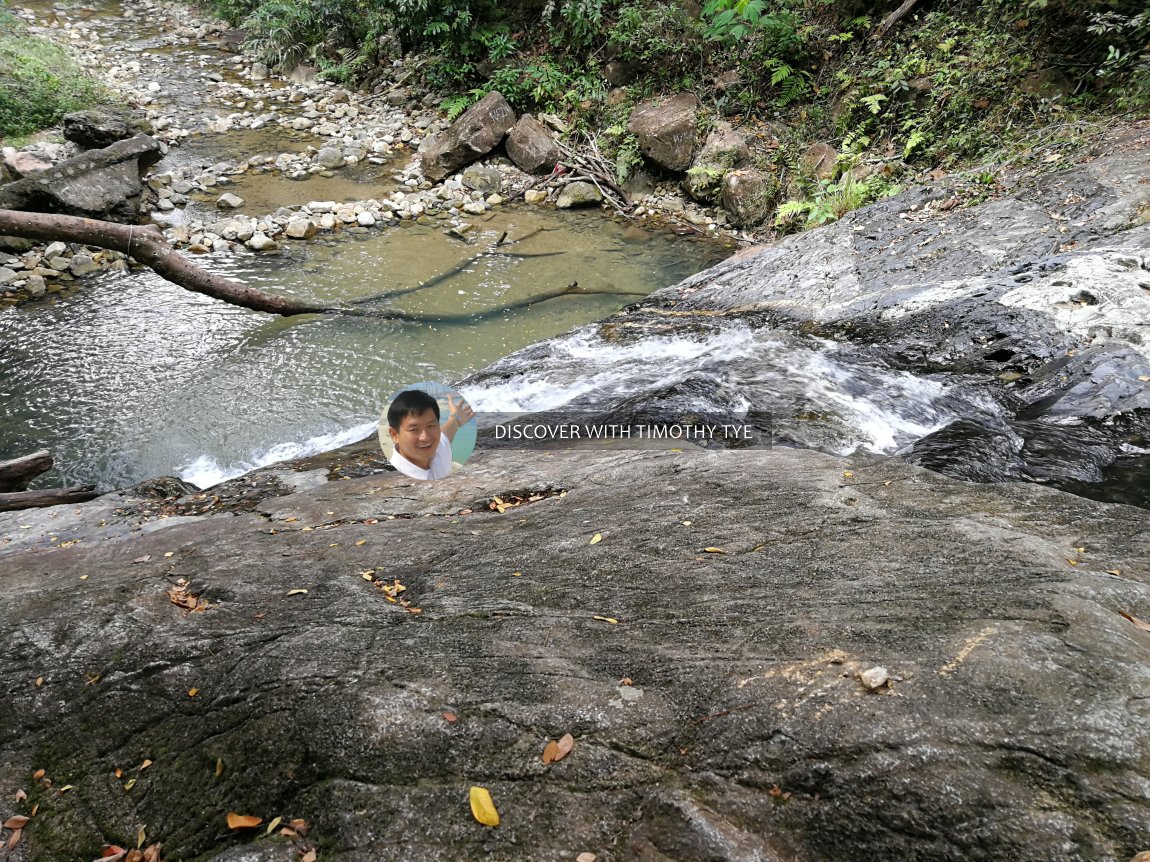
x=422, y=445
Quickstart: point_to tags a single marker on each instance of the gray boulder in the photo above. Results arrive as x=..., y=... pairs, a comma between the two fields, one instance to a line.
x=578, y=194
x=475, y=134
x=724, y=150
x=95, y=130
x=748, y=196
x=482, y=179
x=666, y=129
x=103, y=184
x=17, y=164
x=531, y=146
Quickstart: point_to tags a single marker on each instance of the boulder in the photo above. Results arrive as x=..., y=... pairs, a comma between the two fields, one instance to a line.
x=666, y=129
x=17, y=164
x=748, y=196
x=94, y=130
x=301, y=228
x=819, y=161
x=531, y=146
x=330, y=157
x=103, y=184
x=578, y=194
x=482, y=179
x=476, y=133
x=724, y=150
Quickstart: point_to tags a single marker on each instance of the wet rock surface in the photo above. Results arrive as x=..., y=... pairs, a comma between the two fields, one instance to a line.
x=1017, y=331
x=725, y=704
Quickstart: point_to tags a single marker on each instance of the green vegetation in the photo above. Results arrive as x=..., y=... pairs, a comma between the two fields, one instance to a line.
x=38, y=82
x=954, y=82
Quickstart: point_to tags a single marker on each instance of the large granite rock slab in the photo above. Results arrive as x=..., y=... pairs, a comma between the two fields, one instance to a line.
x=479, y=130
x=718, y=698
x=103, y=184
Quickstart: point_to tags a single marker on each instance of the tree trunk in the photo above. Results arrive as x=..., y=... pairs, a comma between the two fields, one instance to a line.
x=17, y=473
x=147, y=244
x=48, y=497
x=893, y=18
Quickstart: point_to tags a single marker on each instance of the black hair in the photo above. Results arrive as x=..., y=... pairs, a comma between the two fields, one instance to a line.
x=410, y=402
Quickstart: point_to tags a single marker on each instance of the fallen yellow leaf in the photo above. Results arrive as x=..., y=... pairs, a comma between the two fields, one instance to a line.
x=482, y=807
x=129, y=784
x=610, y=620
x=686, y=523
x=272, y=826
x=192, y=692
x=596, y=539
x=300, y=592
x=243, y=821
x=714, y=550
x=1114, y=572
x=1144, y=377
x=362, y=542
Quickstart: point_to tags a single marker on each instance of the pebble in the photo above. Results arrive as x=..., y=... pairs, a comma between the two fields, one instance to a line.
x=874, y=678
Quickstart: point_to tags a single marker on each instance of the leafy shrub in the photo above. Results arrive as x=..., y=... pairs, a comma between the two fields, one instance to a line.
x=39, y=83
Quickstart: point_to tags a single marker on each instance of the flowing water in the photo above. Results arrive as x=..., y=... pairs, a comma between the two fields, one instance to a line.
x=128, y=377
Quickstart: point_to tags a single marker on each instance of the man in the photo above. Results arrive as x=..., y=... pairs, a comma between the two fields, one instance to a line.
x=422, y=445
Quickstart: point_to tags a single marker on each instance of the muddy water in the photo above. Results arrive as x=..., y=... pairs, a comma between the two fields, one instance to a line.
x=129, y=377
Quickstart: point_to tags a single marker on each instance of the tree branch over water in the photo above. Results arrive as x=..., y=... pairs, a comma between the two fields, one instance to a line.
x=147, y=245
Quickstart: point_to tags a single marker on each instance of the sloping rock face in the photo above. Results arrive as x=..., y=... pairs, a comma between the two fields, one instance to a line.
x=103, y=184
x=96, y=129
x=715, y=697
x=1011, y=339
x=479, y=130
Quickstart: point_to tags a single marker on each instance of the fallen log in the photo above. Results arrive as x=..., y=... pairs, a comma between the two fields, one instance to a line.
x=892, y=19
x=147, y=244
x=15, y=500
x=16, y=473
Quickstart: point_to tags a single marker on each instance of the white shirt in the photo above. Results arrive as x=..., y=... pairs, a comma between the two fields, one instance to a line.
x=440, y=463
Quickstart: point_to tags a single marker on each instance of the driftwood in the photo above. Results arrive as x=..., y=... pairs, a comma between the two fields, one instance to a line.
x=893, y=18
x=48, y=497
x=148, y=245
x=18, y=472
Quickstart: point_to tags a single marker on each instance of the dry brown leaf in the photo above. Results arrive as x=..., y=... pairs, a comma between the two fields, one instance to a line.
x=1145, y=626
x=16, y=821
x=35, y=808
x=288, y=832
x=39, y=681
x=111, y=851
x=565, y=744
x=309, y=856
x=550, y=751
x=219, y=766
x=1114, y=572
x=145, y=764
x=450, y=716
x=1144, y=377
x=21, y=795
x=119, y=773
x=14, y=838
x=38, y=774
x=152, y=853
x=243, y=821
x=134, y=856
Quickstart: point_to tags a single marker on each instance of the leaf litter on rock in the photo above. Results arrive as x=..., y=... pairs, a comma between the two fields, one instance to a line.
x=482, y=806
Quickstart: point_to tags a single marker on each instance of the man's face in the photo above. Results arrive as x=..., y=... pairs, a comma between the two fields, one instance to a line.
x=417, y=437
